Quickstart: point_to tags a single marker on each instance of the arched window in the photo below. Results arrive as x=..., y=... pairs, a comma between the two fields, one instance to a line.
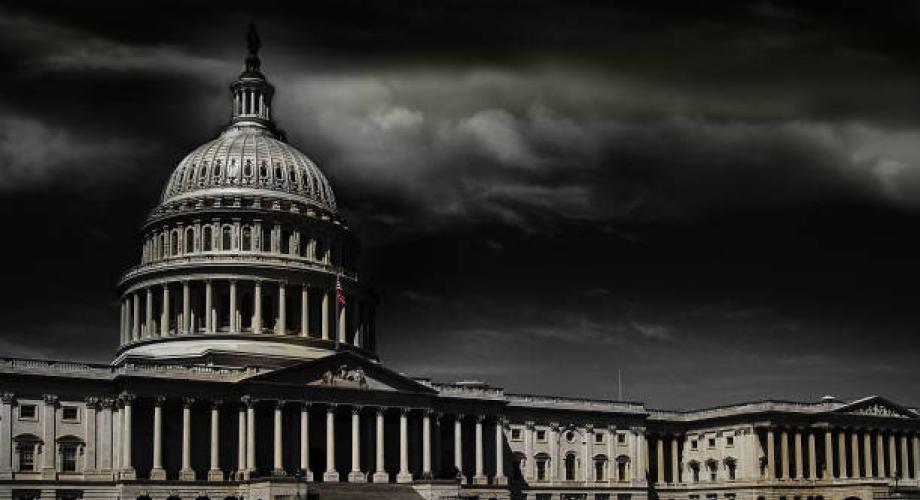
x=600, y=468
x=206, y=238
x=294, y=178
x=712, y=466
x=266, y=240
x=570, y=467
x=263, y=170
x=731, y=465
x=542, y=462
x=162, y=246
x=173, y=243
x=217, y=169
x=622, y=471
x=285, y=241
x=25, y=449
x=246, y=244
x=69, y=449
x=189, y=240
x=279, y=173
x=226, y=238
x=247, y=168
x=695, y=469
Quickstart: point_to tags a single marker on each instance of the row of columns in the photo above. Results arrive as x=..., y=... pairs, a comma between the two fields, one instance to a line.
x=860, y=460
x=133, y=329
x=247, y=466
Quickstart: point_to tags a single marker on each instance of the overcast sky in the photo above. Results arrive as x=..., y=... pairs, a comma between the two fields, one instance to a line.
x=719, y=200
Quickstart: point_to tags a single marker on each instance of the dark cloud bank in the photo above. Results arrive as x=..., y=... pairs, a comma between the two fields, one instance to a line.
x=719, y=201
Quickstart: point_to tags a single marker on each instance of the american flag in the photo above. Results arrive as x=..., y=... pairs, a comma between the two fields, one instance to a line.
x=339, y=292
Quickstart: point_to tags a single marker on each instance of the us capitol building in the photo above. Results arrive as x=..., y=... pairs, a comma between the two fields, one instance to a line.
x=247, y=370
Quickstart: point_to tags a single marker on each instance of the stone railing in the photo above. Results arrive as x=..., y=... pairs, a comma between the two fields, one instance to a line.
x=575, y=403
x=475, y=391
x=48, y=366
x=744, y=408
x=236, y=258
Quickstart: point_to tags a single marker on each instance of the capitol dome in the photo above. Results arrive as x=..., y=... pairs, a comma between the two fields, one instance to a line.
x=245, y=160
x=245, y=260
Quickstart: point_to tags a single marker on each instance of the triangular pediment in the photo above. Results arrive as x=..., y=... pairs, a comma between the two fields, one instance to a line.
x=343, y=370
x=876, y=406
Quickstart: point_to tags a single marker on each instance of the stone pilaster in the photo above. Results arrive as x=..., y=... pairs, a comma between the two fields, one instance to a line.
x=6, y=435
x=49, y=436
x=89, y=428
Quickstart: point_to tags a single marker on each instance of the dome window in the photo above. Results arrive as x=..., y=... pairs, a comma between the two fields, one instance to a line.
x=285, y=241
x=247, y=239
x=266, y=239
x=217, y=169
x=279, y=173
x=226, y=239
x=294, y=177
x=206, y=239
x=319, y=251
x=263, y=170
x=189, y=240
x=247, y=169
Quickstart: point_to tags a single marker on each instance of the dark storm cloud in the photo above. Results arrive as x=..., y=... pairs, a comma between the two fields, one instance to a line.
x=684, y=183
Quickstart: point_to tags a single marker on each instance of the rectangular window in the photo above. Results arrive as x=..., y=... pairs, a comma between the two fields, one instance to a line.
x=598, y=437
x=729, y=440
x=712, y=442
x=624, y=496
x=541, y=436
x=621, y=437
x=70, y=414
x=694, y=444
x=69, y=459
x=515, y=434
x=28, y=412
x=711, y=496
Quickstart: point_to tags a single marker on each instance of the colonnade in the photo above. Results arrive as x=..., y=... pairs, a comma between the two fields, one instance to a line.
x=843, y=453
x=247, y=466
x=236, y=306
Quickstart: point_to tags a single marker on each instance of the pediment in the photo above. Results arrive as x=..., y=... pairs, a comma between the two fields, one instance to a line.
x=876, y=406
x=343, y=370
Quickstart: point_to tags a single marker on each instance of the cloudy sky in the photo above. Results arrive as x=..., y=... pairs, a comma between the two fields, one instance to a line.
x=720, y=201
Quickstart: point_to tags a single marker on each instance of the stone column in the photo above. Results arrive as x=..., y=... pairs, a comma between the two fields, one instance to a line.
x=880, y=454
x=89, y=426
x=282, y=310
x=123, y=322
x=553, y=450
x=659, y=448
x=854, y=454
x=529, y=470
x=812, y=456
x=784, y=453
x=250, y=436
x=355, y=475
x=342, y=321
x=209, y=307
x=117, y=428
x=49, y=436
x=380, y=474
x=892, y=456
x=127, y=467
x=305, y=441
x=404, y=475
x=187, y=473
x=458, y=445
x=641, y=469
x=915, y=444
x=164, y=316
x=324, y=316
x=480, y=477
x=148, y=317
x=214, y=472
x=905, y=465
x=675, y=460
x=105, y=444
x=500, y=477
x=6, y=435
x=304, y=311
x=135, y=316
x=278, y=465
x=234, y=327
x=331, y=475
x=426, y=444
x=867, y=452
x=241, y=443
x=186, y=308
x=828, y=454
x=797, y=444
x=158, y=473
x=257, y=307
x=842, y=454
x=771, y=455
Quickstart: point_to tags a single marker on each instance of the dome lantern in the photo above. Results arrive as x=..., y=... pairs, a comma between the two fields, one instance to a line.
x=252, y=94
